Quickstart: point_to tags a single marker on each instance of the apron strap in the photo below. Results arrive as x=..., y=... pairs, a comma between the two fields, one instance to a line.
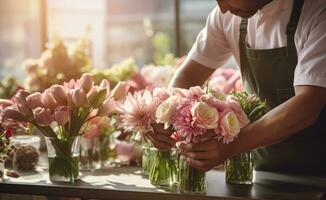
x=292, y=25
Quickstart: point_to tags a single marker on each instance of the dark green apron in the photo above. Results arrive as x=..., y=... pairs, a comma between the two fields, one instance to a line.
x=269, y=74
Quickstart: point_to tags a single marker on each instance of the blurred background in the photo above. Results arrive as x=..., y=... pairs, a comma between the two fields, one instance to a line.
x=141, y=29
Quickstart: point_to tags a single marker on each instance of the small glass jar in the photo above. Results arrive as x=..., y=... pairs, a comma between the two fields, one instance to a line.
x=164, y=171
x=239, y=169
x=191, y=180
x=63, y=155
x=89, y=153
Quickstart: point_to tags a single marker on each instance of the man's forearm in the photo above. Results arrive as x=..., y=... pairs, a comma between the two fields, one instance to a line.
x=280, y=123
x=191, y=73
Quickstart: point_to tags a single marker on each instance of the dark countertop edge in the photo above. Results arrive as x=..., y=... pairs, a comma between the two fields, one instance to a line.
x=84, y=192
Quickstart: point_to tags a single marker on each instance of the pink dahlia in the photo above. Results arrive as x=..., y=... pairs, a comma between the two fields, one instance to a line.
x=183, y=121
x=137, y=112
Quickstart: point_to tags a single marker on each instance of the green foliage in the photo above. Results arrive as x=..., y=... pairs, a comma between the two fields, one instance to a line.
x=162, y=46
x=8, y=87
x=254, y=107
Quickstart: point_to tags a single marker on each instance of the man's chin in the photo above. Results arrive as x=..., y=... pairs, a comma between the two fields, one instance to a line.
x=244, y=14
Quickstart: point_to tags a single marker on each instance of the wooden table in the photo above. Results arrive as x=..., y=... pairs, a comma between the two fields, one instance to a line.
x=128, y=183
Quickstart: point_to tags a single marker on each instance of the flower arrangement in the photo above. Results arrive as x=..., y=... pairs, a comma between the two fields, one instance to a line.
x=239, y=168
x=226, y=80
x=56, y=65
x=62, y=113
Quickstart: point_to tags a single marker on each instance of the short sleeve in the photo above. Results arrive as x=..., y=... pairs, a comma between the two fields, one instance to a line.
x=311, y=67
x=211, y=48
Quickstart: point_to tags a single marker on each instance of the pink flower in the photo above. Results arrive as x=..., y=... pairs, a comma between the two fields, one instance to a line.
x=20, y=101
x=235, y=106
x=92, y=131
x=48, y=100
x=34, y=100
x=108, y=107
x=70, y=85
x=229, y=126
x=43, y=116
x=137, y=112
x=161, y=93
x=11, y=113
x=86, y=82
x=105, y=84
x=62, y=115
x=59, y=94
x=204, y=115
x=166, y=109
x=120, y=91
x=183, y=121
x=4, y=103
x=195, y=93
x=217, y=83
x=79, y=97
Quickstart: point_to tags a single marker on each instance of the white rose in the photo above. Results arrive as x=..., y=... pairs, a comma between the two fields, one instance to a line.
x=204, y=115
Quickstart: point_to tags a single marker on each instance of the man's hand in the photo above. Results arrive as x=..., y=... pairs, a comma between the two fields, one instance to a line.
x=205, y=154
x=161, y=138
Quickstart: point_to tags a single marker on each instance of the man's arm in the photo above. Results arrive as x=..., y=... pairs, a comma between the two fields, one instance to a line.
x=297, y=113
x=190, y=73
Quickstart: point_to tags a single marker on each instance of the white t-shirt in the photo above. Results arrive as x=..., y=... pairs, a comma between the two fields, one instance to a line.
x=219, y=40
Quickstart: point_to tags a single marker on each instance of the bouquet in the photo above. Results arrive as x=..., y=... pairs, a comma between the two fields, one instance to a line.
x=195, y=112
x=62, y=113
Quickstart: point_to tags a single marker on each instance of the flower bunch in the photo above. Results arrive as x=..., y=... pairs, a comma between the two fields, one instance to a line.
x=193, y=113
x=66, y=107
x=56, y=65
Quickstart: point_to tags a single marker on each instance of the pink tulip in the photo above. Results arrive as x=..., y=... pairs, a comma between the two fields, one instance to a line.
x=4, y=103
x=59, y=94
x=86, y=82
x=48, y=100
x=43, y=116
x=105, y=84
x=70, y=102
x=96, y=97
x=62, y=115
x=70, y=85
x=107, y=108
x=79, y=97
x=20, y=101
x=11, y=113
x=120, y=91
x=34, y=100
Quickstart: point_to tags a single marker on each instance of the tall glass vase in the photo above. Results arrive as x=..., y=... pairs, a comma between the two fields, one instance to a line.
x=164, y=170
x=149, y=154
x=191, y=180
x=239, y=169
x=63, y=155
x=89, y=153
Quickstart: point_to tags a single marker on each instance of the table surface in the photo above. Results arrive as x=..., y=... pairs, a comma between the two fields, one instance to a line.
x=128, y=183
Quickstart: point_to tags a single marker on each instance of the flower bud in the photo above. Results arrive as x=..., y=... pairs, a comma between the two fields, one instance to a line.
x=62, y=115
x=34, y=100
x=86, y=82
x=108, y=107
x=120, y=91
x=79, y=97
x=59, y=94
x=43, y=116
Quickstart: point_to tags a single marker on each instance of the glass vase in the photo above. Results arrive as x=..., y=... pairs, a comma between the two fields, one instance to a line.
x=191, y=180
x=89, y=153
x=2, y=170
x=239, y=169
x=149, y=154
x=63, y=155
x=164, y=171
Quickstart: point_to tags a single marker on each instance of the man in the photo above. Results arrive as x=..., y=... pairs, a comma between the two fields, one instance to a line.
x=280, y=46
